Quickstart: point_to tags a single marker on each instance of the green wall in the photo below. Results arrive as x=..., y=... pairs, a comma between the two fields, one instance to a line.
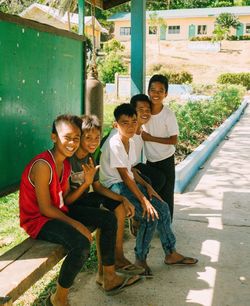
x=41, y=76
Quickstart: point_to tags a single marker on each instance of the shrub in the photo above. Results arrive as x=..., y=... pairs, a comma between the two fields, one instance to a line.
x=241, y=37
x=204, y=89
x=242, y=78
x=201, y=38
x=198, y=119
x=112, y=64
x=177, y=77
x=244, y=37
x=174, y=77
x=113, y=45
x=154, y=68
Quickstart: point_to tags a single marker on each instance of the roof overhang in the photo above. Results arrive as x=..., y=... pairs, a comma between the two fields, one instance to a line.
x=107, y=4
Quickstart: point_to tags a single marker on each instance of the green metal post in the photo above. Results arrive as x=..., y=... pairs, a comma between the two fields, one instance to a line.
x=138, y=43
x=81, y=14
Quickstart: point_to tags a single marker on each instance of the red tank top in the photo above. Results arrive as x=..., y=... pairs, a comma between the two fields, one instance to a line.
x=31, y=220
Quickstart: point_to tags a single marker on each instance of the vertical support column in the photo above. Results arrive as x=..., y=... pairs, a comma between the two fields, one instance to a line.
x=138, y=44
x=81, y=14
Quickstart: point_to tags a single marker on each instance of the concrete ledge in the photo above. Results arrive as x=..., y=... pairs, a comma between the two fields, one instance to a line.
x=190, y=165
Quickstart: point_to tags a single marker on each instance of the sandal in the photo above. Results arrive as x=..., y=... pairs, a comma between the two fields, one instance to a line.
x=118, y=289
x=130, y=269
x=185, y=261
x=147, y=273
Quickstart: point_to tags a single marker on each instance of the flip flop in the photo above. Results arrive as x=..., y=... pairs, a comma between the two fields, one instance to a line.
x=185, y=261
x=118, y=289
x=147, y=273
x=130, y=269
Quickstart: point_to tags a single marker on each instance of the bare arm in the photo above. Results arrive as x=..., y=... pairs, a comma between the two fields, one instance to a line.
x=147, y=207
x=129, y=207
x=40, y=176
x=172, y=140
x=150, y=190
x=89, y=174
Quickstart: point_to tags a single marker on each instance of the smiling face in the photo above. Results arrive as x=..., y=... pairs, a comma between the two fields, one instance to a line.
x=90, y=140
x=143, y=110
x=66, y=139
x=157, y=93
x=126, y=126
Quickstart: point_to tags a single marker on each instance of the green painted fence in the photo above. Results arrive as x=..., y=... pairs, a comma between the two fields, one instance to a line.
x=41, y=76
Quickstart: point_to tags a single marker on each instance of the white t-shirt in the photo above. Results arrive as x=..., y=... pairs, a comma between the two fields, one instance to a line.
x=163, y=124
x=139, y=151
x=115, y=156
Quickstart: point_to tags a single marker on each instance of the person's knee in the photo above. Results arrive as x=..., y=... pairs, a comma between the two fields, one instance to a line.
x=120, y=212
x=82, y=247
x=110, y=221
x=78, y=253
x=148, y=222
x=164, y=212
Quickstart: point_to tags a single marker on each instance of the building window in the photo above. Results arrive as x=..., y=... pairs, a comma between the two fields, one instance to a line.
x=248, y=28
x=152, y=30
x=202, y=30
x=125, y=31
x=174, y=30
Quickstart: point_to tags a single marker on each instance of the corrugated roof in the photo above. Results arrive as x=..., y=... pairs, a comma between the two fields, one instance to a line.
x=55, y=13
x=189, y=13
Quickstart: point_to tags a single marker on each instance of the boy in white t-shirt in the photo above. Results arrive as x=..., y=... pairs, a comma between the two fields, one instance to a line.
x=118, y=156
x=156, y=178
x=160, y=136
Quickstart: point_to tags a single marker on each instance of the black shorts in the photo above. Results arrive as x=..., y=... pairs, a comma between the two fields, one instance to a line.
x=94, y=199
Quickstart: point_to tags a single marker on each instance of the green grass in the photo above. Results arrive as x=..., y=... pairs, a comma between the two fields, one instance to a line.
x=10, y=232
x=108, y=117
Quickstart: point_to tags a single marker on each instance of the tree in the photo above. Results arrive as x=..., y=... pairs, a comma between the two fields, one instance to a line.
x=16, y=6
x=227, y=21
x=112, y=64
x=156, y=21
x=153, y=5
x=113, y=45
x=222, y=3
x=219, y=34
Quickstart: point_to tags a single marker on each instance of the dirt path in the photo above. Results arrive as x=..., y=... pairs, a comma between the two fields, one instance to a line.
x=205, y=66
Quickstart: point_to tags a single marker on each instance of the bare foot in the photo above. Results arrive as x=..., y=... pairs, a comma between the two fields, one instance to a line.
x=147, y=272
x=58, y=302
x=110, y=283
x=121, y=262
x=178, y=259
x=116, y=281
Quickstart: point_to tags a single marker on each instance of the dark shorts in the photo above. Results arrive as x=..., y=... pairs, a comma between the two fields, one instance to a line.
x=94, y=199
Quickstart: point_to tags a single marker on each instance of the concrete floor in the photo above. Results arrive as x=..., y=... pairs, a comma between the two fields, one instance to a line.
x=212, y=222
